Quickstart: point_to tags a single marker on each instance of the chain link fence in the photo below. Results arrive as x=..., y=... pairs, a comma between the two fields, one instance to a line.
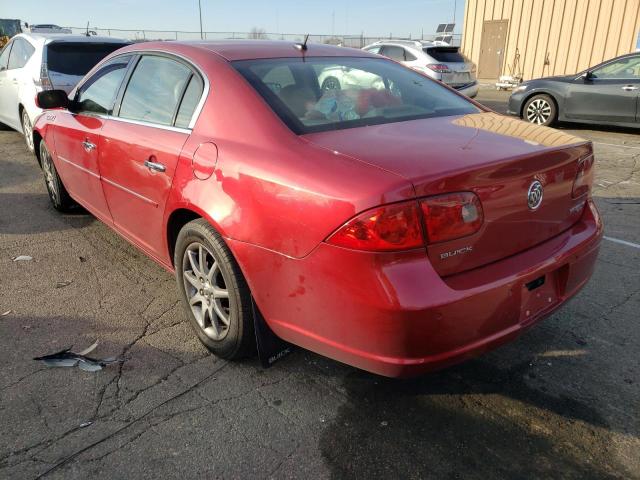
x=354, y=41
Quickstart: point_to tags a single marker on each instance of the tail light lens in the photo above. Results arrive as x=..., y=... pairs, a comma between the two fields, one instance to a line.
x=584, y=177
x=387, y=228
x=451, y=216
x=400, y=226
x=44, y=81
x=439, y=68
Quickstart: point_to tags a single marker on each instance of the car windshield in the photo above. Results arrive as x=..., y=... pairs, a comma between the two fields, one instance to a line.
x=77, y=58
x=316, y=94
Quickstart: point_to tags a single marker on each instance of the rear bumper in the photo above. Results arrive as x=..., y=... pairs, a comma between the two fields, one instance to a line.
x=393, y=315
x=470, y=90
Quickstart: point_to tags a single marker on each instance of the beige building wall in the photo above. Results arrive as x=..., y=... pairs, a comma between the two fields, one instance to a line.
x=549, y=37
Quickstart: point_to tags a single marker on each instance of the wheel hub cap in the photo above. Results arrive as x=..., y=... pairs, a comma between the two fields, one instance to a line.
x=206, y=290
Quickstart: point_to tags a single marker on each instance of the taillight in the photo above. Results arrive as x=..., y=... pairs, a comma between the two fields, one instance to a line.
x=584, y=177
x=451, y=216
x=400, y=226
x=43, y=81
x=386, y=228
x=439, y=68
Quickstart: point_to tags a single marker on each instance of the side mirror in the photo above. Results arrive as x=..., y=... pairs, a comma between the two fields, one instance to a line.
x=586, y=76
x=52, y=99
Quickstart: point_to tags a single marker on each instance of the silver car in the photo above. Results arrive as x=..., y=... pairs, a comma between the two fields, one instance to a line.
x=440, y=62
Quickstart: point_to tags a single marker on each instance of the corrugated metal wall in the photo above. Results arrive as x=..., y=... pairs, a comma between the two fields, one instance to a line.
x=571, y=34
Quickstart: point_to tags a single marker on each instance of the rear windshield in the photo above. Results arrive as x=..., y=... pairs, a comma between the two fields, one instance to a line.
x=77, y=58
x=330, y=93
x=445, y=54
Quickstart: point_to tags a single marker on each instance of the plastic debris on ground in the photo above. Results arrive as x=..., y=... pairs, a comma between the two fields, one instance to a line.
x=22, y=258
x=67, y=358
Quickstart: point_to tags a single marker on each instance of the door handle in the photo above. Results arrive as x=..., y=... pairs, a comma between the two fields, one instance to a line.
x=14, y=81
x=88, y=146
x=158, y=167
x=629, y=88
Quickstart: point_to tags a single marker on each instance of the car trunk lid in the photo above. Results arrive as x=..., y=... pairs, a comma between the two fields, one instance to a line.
x=497, y=158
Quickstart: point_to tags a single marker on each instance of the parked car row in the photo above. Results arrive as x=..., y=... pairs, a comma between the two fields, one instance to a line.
x=31, y=63
x=385, y=221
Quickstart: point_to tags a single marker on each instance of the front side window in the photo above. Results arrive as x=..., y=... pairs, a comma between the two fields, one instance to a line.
x=155, y=90
x=365, y=91
x=20, y=53
x=623, y=69
x=99, y=92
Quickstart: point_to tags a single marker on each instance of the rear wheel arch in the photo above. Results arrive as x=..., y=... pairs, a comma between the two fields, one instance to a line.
x=37, y=139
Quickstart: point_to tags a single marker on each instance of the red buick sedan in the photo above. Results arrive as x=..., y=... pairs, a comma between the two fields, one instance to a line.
x=385, y=221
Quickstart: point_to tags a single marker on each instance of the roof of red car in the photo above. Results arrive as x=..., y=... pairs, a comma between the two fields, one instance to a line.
x=249, y=49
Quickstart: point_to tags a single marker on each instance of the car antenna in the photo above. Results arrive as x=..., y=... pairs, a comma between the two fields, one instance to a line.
x=303, y=46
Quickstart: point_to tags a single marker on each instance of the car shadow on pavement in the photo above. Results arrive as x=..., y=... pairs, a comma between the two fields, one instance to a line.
x=31, y=213
x=471, y=421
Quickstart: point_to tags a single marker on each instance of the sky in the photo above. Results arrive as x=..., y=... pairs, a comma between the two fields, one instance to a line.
x=373, y=17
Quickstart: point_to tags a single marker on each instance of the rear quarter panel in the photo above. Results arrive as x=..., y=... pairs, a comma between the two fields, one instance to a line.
x=271, y=188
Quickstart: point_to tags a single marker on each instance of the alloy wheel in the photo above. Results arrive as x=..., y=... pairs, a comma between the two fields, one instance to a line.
x=49, y=176
x=538, y=111
x=206, y=290
x=26, y=130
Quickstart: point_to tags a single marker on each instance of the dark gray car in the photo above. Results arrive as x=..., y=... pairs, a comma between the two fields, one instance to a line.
x=606, y=94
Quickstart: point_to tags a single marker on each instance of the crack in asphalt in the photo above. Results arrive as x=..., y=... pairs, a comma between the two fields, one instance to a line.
x=70, y=457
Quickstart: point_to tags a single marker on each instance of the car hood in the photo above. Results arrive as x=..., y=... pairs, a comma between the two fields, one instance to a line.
x=557, y=78
x=436, y=147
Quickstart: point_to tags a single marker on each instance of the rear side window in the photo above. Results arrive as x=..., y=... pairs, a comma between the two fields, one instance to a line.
x=445, y=54
x=189, y=102
x=98, y=93
x=77, y=58
x=4, y=57
x=155, y=90
x=20, y=53
x=395, y=53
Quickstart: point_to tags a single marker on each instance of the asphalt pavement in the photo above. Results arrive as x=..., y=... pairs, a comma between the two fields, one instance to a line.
x=563, y=401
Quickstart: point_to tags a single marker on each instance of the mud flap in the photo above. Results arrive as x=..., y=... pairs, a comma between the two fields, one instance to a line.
x=271, y=348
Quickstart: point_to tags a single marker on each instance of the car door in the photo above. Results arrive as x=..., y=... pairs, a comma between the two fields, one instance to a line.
x=14, y=76
x=609, y=93
x=5, y=88
x=77, y=135
x=140, y=146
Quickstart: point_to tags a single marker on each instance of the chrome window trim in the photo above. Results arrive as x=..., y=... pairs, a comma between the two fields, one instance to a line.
x=196, y=112
x=171, y=128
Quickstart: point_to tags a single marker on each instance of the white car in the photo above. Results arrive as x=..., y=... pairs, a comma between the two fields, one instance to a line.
x=441, y=62
x=30, y=63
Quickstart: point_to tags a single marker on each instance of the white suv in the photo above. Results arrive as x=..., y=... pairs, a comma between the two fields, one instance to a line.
x=441, y=62
x=30, y=63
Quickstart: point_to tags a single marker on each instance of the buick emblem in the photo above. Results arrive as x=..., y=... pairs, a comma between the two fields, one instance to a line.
x=534, y=196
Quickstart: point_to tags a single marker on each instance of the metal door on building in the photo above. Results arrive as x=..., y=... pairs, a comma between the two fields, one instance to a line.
x=492, y=45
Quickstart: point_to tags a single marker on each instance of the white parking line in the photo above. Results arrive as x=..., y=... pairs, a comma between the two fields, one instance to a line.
x=616, y=145
x=621, y=242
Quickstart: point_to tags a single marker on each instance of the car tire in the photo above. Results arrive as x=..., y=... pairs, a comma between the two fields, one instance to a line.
x=215, y=294
x=60, y=198
x=331, y=83
x=27, y=130
x=541, y=110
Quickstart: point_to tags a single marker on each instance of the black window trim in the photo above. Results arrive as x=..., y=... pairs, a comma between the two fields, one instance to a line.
x=133, y=62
